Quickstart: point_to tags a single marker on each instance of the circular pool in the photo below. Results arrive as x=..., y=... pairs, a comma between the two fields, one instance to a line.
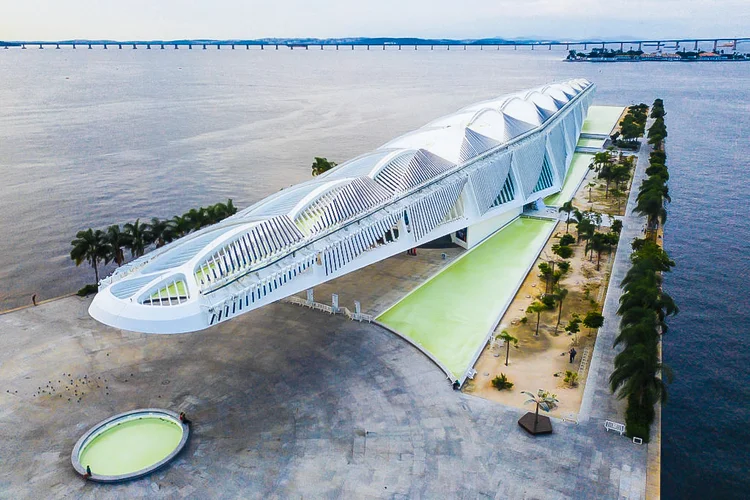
x=130, y=445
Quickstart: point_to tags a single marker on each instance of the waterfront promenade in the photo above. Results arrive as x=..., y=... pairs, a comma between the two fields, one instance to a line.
x=286, y=402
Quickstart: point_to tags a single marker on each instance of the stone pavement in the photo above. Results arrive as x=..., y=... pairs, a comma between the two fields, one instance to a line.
x=597, y=402
x=286, y=403
x=380, y=285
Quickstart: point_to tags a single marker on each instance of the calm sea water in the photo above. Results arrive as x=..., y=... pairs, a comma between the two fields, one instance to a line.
x=91, y=138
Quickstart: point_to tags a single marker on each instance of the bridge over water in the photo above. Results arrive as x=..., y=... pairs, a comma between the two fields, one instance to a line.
x=687, y=44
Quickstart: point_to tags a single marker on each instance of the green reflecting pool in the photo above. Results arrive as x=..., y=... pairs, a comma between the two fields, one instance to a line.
x=131, y=446
x=600, y=120
x=579, y=165
x=450, y=315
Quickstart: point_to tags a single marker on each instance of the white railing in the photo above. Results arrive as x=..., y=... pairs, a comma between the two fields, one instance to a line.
x=317, y=306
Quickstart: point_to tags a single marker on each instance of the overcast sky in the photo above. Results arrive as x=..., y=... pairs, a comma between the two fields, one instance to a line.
x=173, y=19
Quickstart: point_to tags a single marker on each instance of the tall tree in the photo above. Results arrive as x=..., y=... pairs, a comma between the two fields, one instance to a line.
x=597, y=243
x=508, y=339
x=537, y=307
x=637, y=375
x=560, y=294
x=180, y=225
x=136, y=237
x=90, y=246
x=116, y=240
x=567, y=207
x=159, y=232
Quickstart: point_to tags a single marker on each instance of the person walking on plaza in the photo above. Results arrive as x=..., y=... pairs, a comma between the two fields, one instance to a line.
x=572, y=353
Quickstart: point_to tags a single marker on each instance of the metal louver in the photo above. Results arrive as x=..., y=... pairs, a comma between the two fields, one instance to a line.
x=403, y=173
x=488, y=180
x=427, y=213
x=474, y=144
x=528, y=159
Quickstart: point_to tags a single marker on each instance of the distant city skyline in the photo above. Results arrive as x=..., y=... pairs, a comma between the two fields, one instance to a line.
x=237, y=19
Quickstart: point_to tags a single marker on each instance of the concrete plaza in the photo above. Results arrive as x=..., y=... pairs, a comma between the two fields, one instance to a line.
x=286, y=403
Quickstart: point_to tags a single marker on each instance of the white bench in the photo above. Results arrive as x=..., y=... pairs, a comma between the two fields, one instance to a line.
x=614, y=426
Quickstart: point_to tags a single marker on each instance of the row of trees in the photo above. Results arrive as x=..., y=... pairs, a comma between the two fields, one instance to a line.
x=639, y=374
x=612, y=170
x=654, y=192
x=587, y=224
x=632, y=126
x=96, y=246
x=644, y=307
x=658, y=130
x=554, y=270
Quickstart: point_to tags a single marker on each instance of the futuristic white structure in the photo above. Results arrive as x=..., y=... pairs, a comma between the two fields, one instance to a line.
x=466, y=174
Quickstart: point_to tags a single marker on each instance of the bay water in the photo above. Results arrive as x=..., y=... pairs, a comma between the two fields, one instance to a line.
x=90, y=138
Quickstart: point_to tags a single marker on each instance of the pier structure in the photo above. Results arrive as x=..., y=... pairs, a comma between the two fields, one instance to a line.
x=464, y=175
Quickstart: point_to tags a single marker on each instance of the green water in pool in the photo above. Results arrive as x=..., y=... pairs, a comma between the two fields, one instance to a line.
x=131, y=446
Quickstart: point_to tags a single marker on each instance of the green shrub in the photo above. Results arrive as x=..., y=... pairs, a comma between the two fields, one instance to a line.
x=88, y=290
x=564, y=251
x=502, y=383
x=567, y=239
x=524, y=320
x=571, y=378
x=548, y=300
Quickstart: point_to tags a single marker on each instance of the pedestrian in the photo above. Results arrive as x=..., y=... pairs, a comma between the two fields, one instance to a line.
x=33, y=299
x=572, y=353
x=88, y=472
x=183, y=418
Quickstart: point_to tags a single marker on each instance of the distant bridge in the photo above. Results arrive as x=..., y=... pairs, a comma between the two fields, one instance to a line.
x=671, y=43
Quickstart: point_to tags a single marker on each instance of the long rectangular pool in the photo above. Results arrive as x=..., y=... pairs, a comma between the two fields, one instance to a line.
x=600, y=120
x=579, y=165
x=450, y=315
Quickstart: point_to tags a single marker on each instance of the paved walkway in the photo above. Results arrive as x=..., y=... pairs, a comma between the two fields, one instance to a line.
x=597, y=402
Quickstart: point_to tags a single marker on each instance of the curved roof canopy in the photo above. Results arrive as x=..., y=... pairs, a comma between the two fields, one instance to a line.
x=266, y=233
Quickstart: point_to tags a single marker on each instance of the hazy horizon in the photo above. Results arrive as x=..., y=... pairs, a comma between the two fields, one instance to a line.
x=236, y=19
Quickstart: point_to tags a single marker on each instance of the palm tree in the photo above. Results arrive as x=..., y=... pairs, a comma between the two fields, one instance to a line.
x=180, y=225
x=321, y=165
x=560, y=294
x=597, y=243
x=537, y=307
x=231, y=209
x=159, y=232
x=507, y=338
x=567, y=207
x=90, y=246
x=196, y=217
x=590, y=185
x=137, y=237
x=116, y=240
x=214, y=213
x=619, y=195
x=637, y=375
x=651, y=205
x=640, y=332
x=542, y=399
x=221, y=211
